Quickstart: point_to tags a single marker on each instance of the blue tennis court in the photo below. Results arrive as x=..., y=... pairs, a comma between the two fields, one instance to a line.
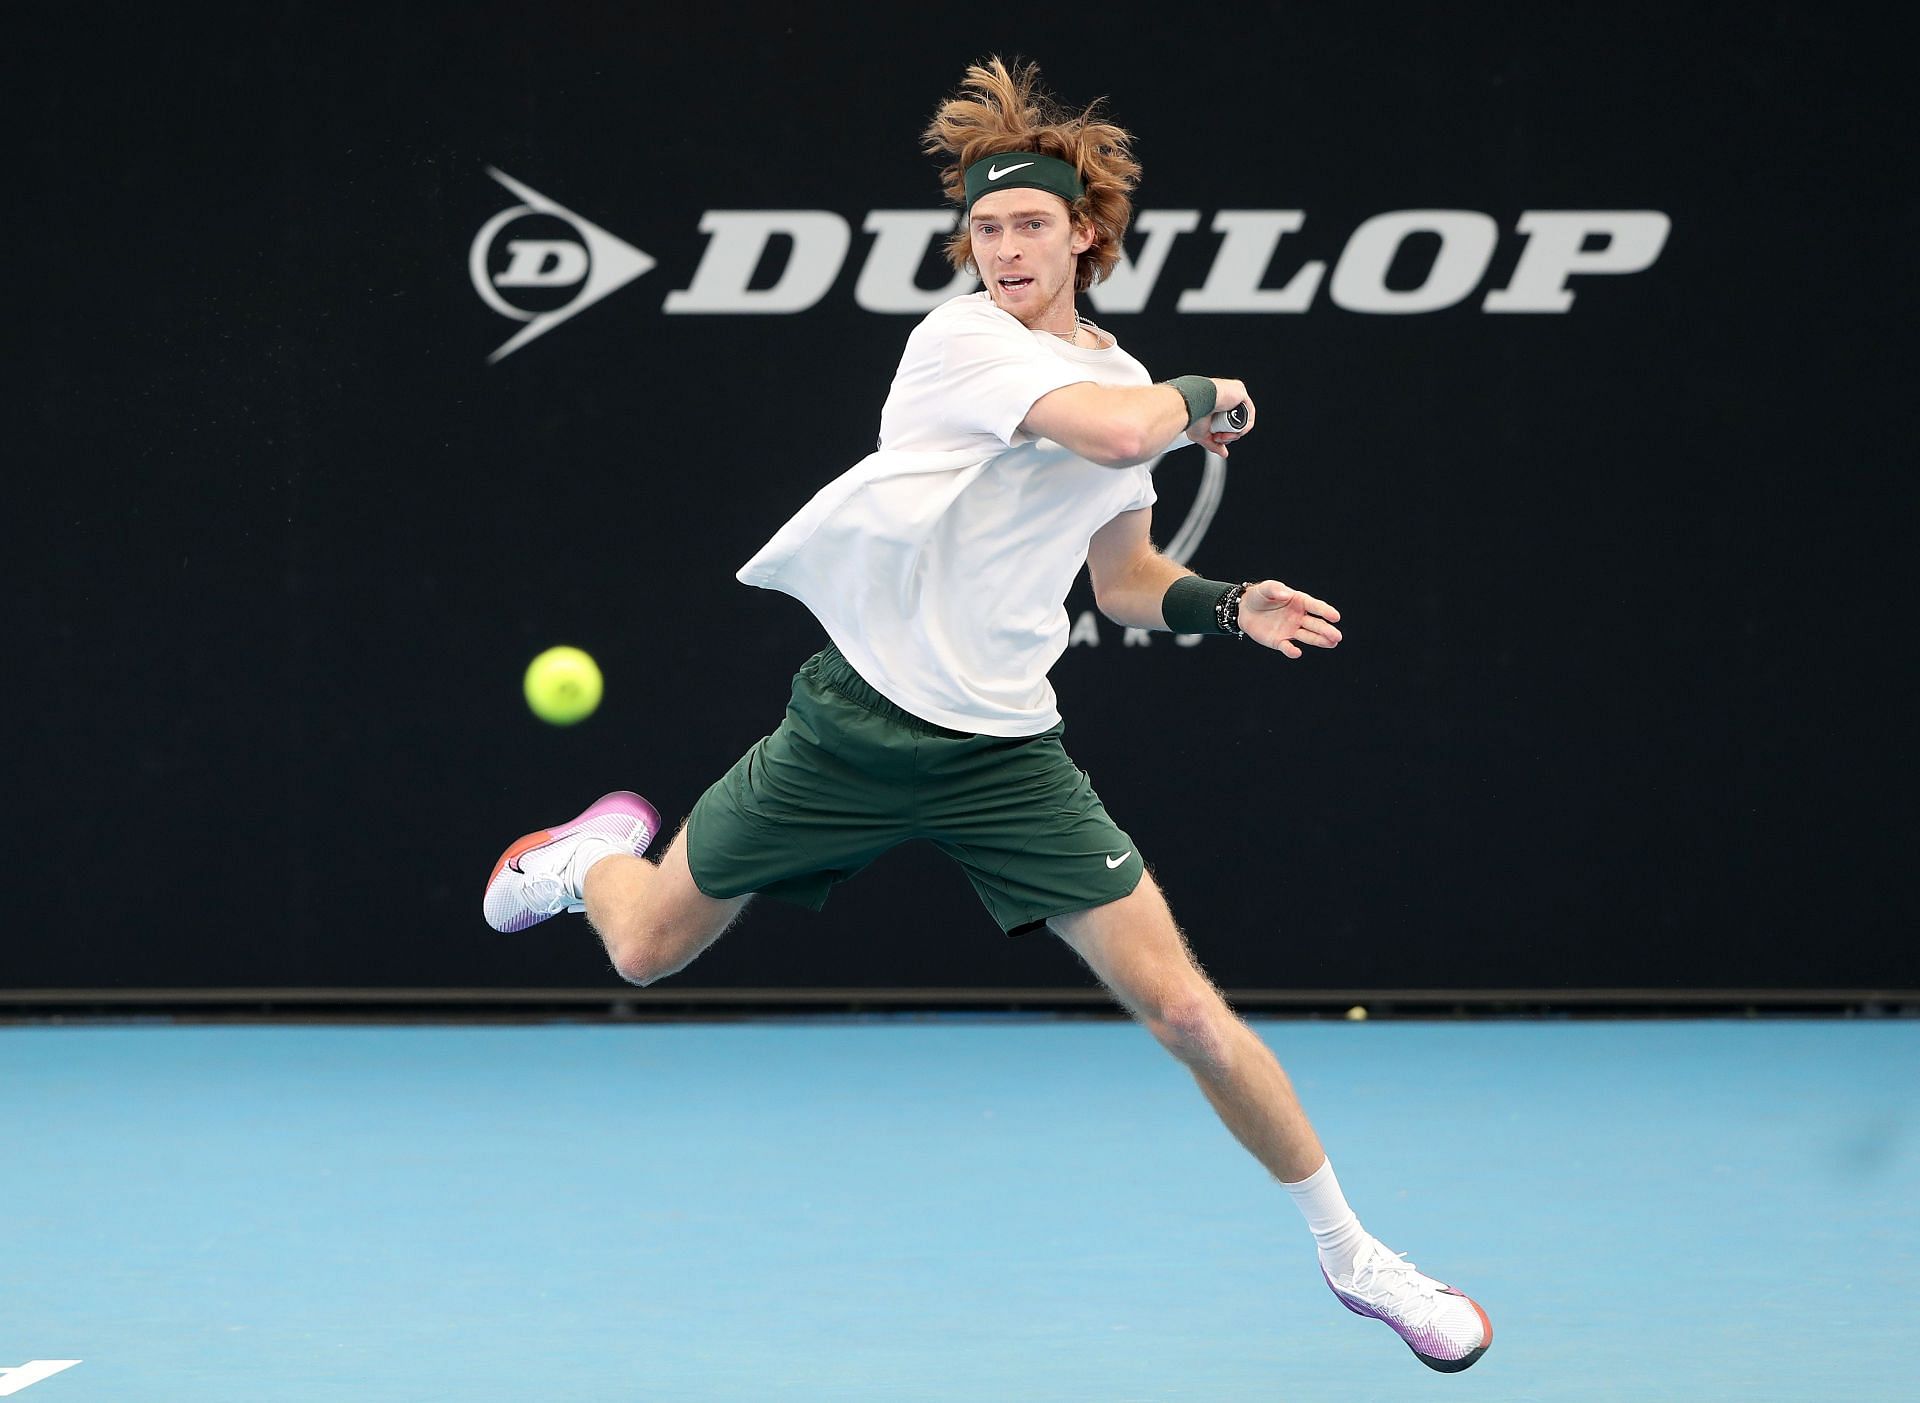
x=944, y=1208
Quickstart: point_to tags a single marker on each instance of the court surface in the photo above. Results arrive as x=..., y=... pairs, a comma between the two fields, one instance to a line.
x=977, y=1209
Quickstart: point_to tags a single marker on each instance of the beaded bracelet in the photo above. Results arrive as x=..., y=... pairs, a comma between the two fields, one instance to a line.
x=1227, y=612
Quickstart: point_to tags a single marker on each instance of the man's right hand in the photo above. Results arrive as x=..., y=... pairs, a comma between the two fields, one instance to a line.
x=1227, y=394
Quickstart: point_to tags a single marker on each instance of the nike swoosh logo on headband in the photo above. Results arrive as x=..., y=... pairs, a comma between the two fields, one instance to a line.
x=994, y=172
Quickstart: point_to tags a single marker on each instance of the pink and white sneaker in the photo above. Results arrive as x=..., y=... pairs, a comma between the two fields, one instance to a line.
x=1444, y=1328
x=535, y=877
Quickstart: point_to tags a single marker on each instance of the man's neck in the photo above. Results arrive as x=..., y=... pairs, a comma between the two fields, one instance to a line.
x=1058, y=318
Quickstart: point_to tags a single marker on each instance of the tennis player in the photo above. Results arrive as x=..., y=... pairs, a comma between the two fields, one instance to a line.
x=1013, y=448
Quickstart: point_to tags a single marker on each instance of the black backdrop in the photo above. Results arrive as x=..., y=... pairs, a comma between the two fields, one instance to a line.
x=1626, y=698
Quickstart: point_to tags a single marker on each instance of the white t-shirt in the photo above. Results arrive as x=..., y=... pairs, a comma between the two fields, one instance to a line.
x=940, y=564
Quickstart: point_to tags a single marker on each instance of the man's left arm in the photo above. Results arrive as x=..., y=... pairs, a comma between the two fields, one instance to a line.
x=1134, y=585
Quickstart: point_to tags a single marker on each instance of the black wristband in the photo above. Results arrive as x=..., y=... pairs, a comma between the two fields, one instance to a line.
x=1200, y=393
x=1194, y=605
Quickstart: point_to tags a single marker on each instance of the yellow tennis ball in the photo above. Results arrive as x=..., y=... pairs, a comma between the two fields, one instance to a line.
x=563, y=685
x=1358, y=1013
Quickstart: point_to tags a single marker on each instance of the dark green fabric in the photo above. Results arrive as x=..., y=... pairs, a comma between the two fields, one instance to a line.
x=1200, y=393
x=1189, y=603
x=848, y=776
x=1022, y=170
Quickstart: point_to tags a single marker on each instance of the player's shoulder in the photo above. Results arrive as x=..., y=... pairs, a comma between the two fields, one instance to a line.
x=1126, y=367
x=976, y=305
x=964, y=329
x=970, y=311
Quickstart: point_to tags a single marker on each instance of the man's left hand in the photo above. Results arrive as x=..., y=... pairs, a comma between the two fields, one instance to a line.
x=1275, y=616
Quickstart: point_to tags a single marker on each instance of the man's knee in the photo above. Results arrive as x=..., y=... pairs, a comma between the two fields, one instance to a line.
x=647, y=944
x=1139, y=953
x=635, y=960
x=645, y=949
x=1193, y=1024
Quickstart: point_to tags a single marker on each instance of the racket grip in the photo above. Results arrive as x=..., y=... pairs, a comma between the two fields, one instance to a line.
x=1229, y=421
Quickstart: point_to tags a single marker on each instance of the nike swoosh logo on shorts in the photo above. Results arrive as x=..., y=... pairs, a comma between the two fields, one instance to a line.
x=994, y=172
x=1113, y=862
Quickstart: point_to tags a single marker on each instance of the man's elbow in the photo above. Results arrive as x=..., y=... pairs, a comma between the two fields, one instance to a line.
x=1121, y=445
x=1123, y=604
x=1133, y=612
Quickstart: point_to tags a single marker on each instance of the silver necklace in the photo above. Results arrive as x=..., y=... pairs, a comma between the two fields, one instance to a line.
x=1079, y=324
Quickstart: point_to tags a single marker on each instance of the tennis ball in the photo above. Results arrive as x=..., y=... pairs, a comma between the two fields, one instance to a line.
x=1358, y=1013
x=563, y=685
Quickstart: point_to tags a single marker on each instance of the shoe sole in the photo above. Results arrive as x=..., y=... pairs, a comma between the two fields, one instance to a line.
x=1444, y=1366
x=621, y=801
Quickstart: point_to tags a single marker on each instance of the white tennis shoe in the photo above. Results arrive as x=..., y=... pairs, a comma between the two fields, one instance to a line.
x=535, y=876
x=1443, y=1327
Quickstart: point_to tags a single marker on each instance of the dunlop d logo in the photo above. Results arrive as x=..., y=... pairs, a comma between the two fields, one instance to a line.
x=592, y=262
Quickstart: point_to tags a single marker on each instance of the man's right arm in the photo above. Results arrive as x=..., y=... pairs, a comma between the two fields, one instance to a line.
x=1117, y=426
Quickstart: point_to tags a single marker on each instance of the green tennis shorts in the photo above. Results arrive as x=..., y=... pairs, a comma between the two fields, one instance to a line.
x=849, y=775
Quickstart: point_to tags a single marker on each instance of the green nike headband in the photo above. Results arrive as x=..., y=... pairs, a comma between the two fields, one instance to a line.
x=1022, y=170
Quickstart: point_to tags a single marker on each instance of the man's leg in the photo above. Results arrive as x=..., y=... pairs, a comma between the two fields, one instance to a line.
x=1137, y=951
x=792, y=817
x=652, y=919
x=650, y=916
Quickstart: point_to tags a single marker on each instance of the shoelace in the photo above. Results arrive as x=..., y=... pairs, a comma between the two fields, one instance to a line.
x=545, y=893
x=1388, y=1279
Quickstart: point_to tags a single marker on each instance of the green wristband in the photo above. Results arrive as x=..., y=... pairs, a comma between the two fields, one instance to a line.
x=1191, y=604
x=1199, y=392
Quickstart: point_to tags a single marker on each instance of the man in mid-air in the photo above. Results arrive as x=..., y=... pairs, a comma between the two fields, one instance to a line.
x=1014, y=447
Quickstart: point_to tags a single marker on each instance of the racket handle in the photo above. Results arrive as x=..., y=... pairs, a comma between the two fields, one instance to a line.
x=1229, y=421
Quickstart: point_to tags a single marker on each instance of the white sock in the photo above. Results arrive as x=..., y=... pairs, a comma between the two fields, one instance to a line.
x=1335, y=1228
x=590, y=851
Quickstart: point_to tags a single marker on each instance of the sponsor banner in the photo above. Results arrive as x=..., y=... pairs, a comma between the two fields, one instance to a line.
x=506, y=261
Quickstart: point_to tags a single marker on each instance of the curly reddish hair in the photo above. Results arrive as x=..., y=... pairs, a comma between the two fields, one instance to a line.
x=1000, y=109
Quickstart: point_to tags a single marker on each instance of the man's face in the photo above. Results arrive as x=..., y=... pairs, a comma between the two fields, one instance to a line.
x=1026, y=246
